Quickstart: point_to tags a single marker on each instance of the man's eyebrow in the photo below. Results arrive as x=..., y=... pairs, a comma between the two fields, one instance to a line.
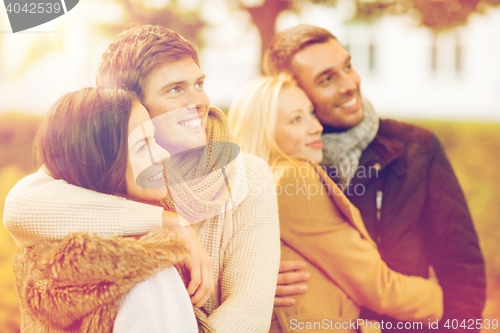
x=180, y=83
x=322, y=73
x=170, y=84
x=326, y=71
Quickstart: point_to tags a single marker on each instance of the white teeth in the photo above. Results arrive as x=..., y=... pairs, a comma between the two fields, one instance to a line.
x=157, y=176
x=350, y=103
x=196, y=122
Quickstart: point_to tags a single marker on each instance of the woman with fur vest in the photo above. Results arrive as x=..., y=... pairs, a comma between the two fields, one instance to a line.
x=100, y=139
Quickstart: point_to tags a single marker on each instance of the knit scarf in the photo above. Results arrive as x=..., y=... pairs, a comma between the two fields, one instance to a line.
x=203, y=184
x=342, y=150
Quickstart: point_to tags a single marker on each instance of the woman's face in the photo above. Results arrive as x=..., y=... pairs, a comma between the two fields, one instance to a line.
x=144, y=175
x=298, y=131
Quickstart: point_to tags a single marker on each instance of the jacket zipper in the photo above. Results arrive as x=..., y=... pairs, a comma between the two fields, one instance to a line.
x=378, y=202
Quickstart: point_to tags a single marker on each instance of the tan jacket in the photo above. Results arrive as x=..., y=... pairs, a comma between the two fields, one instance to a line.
x=75, y=285
x=318, y=224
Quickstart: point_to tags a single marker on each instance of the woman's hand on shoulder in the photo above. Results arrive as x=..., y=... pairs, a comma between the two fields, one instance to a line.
x=199, y=263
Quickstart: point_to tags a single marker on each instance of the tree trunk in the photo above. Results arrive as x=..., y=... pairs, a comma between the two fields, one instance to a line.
x=264, y=17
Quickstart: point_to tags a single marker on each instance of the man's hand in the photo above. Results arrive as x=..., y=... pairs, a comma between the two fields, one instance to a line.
x=290, y=272
x=199, y=263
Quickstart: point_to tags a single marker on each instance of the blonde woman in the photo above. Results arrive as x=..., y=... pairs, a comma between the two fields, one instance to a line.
x=274, y=119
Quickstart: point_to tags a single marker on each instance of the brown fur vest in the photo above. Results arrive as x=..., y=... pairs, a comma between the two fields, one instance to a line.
x=75, y=285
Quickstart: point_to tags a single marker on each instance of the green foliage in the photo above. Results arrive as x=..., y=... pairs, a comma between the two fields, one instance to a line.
x=172, y=15
x=435, y=14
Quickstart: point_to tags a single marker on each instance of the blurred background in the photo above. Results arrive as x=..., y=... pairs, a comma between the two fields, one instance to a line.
x=429, y=62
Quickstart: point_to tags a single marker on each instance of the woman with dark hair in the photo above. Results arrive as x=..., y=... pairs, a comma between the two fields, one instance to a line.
x=102, y=139
x=84, y=139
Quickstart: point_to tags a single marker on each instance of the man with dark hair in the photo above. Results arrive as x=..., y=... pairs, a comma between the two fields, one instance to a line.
x=397, y=174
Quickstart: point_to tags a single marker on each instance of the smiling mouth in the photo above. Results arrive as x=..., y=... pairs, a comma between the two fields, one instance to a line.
x=156, y=177
x=315, y=144
x=192, y=123
x=350, y=103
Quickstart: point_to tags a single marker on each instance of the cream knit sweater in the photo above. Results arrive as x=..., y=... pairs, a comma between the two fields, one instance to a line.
x=245, y=264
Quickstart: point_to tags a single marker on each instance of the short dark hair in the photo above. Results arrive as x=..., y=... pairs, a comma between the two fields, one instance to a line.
x=278, y=56
x=136, y=51
x=84, y=139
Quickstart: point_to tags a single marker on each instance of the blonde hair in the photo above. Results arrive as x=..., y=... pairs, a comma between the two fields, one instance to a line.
x=253, y=116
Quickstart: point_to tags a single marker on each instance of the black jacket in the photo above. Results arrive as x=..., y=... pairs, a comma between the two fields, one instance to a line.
x=421, y=217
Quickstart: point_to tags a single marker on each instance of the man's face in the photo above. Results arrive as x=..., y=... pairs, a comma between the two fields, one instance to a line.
x=325, y=73
x=178, y=105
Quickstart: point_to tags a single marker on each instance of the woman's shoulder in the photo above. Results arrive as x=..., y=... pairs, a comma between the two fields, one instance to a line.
x=36, y=184
x=290, y=170
x=249, y=176
x=253, y=161
x=37, y=178
x=256, y=168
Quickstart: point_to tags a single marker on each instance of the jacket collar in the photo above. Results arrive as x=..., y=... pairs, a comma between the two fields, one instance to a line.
x=383, y=151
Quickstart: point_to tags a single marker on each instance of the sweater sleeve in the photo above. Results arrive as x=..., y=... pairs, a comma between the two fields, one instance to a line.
x=454, y=252
x=313, y=225
x=251, y=260
x=39, y=208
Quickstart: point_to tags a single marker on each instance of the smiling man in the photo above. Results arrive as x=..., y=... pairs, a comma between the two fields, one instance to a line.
x=320, y=66
x=412, y=206
x=178, y=104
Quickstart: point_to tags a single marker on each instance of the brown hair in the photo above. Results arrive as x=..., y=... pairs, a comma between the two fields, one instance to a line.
x=84, y=139
x=253, y=115
x=286, y=44
x=136, y=51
